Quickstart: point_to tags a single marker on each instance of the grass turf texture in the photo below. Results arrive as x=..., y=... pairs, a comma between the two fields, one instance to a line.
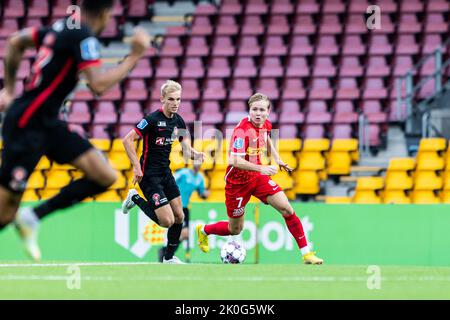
x=211, y=281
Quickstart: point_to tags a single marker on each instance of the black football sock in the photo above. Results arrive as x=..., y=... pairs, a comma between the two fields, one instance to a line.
x=145, y=207
x=173, y=240
x=74, y=192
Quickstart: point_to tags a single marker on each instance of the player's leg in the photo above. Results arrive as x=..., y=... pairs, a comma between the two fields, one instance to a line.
x=9, y=204
x=64, y=146
x=236, y=198
x=184, y=236
x=174, y=232
x=280, y=202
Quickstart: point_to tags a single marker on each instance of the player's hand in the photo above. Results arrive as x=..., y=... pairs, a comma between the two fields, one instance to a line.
x=140, y=42
x=200, y=157
x=6, y=99
x=137, y=177
x=284, y=166
x=269, y=170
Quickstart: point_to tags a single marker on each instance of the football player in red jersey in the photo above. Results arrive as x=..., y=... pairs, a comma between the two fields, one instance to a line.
x=246, y=177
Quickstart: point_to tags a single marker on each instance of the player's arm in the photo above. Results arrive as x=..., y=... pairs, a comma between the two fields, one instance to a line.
x=189, y=152
x=15, y=47
x=100, y=81
x=276, y=156
x=238, y=161
x=128, y=143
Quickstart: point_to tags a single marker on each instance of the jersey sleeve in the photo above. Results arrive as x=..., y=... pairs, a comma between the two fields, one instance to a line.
x=143, y=127
x=239, y=142
x=86, y=49
x=38, y=35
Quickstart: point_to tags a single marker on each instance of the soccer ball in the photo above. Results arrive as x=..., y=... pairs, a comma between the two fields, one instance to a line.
x=233, y=252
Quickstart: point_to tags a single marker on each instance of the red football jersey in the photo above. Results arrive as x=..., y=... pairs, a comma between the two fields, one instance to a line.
x=250, y=141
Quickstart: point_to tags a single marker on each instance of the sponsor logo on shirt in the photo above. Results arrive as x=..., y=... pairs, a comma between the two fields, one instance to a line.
x=162, y=124
x=238, y=212
x=160, y=141
x=141, y=125
x=238, y=143
x=254, y=151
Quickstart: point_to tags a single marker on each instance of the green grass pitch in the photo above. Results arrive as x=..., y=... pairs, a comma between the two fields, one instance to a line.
x=215, y=281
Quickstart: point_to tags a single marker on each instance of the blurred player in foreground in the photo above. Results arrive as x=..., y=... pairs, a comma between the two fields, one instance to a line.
x=32, y=129
x=188, y=181
x=159, y=130
x=246, y=176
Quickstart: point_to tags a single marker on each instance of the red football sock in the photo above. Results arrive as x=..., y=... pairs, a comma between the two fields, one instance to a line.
x=219, y=228
x=296, y=229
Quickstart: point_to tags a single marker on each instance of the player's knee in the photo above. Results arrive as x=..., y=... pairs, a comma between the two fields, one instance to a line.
x=179, y=218
x=166, y=222
x=235, y=230
x=286, y=211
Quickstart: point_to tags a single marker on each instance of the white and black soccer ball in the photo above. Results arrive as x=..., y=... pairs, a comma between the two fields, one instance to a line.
x=232, y=252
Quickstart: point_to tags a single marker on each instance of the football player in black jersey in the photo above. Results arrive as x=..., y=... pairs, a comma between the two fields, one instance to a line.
x=31, y=127
x=163, y=202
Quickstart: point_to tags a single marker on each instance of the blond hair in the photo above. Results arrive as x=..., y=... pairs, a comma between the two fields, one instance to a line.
x=258, y=97
x=170, y=86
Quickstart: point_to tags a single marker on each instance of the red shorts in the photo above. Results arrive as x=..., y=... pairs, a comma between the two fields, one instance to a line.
x=238, y=195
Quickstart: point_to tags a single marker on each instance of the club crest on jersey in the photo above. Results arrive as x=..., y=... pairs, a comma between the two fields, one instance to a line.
x=160, y=141
x=238, y=143
x=162, y=124
x=156, y=198
x=141, y=125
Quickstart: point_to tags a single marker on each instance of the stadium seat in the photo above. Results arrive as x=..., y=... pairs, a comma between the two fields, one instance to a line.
x=307, y=182
x=284, y=179
x=338, y=200
x=35, y=181
x=367, y=190
x=108, y=196
x=43, y=164
x=339, y=159
x=56, y=179
x=30, y=195
x=119, y=161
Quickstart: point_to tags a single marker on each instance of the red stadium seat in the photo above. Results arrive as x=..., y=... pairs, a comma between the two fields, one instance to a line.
x=219, y=68
x=240, y=89
x=223, y=46
x=193, y=68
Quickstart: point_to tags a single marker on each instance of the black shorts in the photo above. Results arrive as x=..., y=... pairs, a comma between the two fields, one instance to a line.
x=23, y=148
x=186, y=217
x=159, y=190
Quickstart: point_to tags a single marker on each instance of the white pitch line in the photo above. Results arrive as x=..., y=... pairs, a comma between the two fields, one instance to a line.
x=13, y=277
x=81, y=264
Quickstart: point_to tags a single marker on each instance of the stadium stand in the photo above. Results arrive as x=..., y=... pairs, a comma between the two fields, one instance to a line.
x=317, y=61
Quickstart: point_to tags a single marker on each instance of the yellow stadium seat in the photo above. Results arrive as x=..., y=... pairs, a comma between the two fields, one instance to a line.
x=64, y=166
x=48, y=193
x=367, y=189
x=101, y=144
x=117, y=146
x=108, y=196
x=398, y=180
x=429, y=161
x=311, y=161
x=176, y=160
x=424, y=197
x=290, y=194
x=56, y=179
x=396, y=197
x=316, y=145
x=119, y=161
x=344, y=145
x=30, y=195
x=307, y=182
x=427, y=180
x=338, y=200
x=339, y=163
x=36, y=181
x=402, y=164
x=43, y=164
x=289, y=145
x=284, y=180
x=76, y=174
x=217, y=179
x=121, y=182
x=289, y=158
x=432, y=144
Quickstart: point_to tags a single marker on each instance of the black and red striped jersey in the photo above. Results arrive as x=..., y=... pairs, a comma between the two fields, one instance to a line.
x=159, y=133
x=64, y=50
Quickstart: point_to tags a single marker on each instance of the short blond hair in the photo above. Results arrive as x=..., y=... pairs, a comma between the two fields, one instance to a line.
x=170, y=86
x=258, y=97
